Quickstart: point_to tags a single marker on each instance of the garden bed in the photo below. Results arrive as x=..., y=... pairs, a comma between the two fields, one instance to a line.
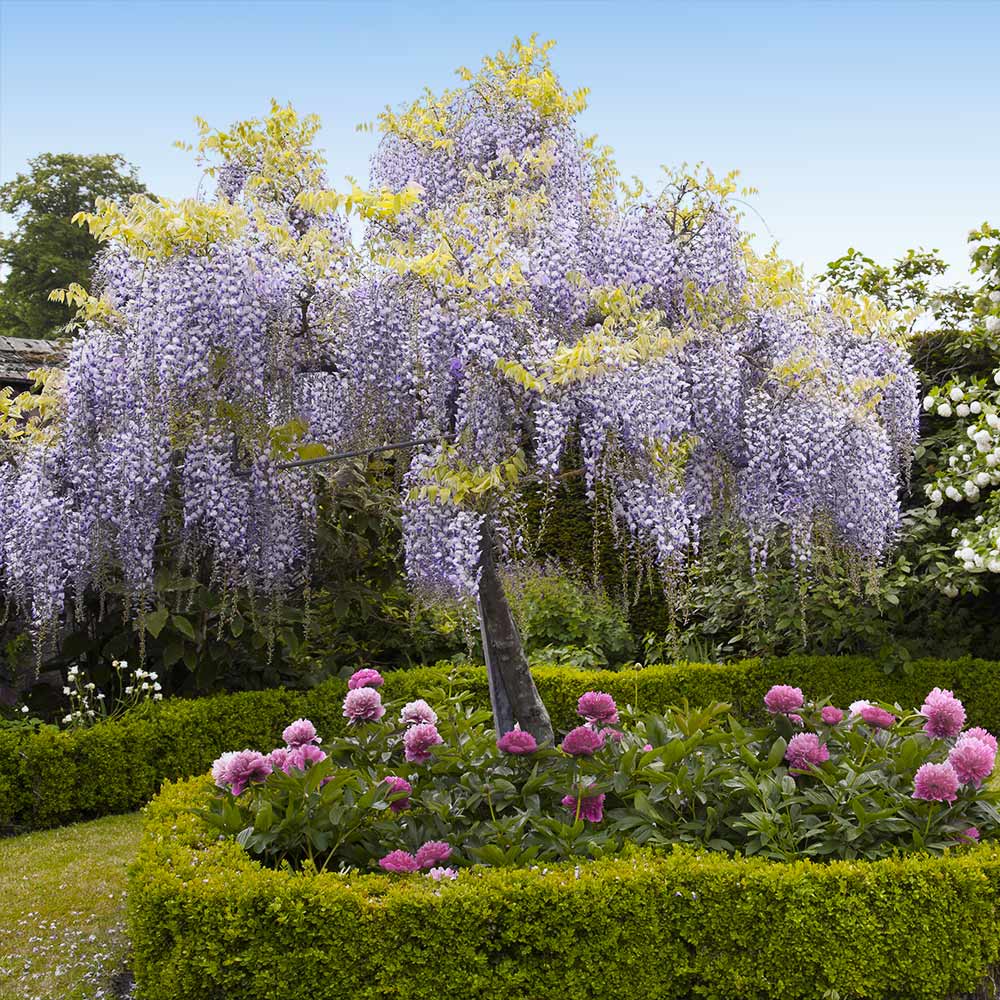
x=207, y=920
x=51, y=778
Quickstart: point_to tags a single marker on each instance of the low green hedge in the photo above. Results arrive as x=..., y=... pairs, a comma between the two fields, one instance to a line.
x=51, y=778
x=207, y=921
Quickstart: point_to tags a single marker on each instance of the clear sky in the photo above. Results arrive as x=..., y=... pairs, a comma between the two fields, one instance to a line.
x=873, y=124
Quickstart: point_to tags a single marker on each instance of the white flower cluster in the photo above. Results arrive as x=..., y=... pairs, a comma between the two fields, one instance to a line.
x=88, y=705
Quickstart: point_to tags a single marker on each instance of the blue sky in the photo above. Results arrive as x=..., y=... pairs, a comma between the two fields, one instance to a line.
x=870, y=124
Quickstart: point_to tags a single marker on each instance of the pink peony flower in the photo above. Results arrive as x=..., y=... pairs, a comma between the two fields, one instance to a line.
x=598, y=708
x=582, y=742
x=518, y=742
x=441, y=873
x=978, y=733
x=972, y=760
x=400, y=862
x=877, y=717
x=418, y=741
x=363, y=704
x=433, y=853
x=805, y=749
x=782, y=698
x=301, y=757
x=237, y=770
x=591, y=806
x=615, y=735
x=972, y=834
x=416, y=712
x=796, y=719
x=647, y=747
x=280, y=759
x=366, y=678
x=831, y=715
x=398, y=785
x=935, y=783
x=944, y=713
x=855, y=707
x=299, y=732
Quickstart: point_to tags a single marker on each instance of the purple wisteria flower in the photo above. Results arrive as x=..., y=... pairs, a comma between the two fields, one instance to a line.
x=935, y=783
x=397, y=785
x=591, y=806
x=416, y=712
x=582, y=742
x=419, y=740
x=399, y=862
x=598, y=708
x=299, y=732
x=363, y=704
x=365, y=678
x=783, y=699
x=517, y=742
x=804, y=749
x=944, y=713
x=877, y=717
x=831, y=715
x=433, y=853
x=973, y=760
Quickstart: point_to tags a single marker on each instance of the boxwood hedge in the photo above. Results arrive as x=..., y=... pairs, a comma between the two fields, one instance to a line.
x=50, y=778
x=206, y=921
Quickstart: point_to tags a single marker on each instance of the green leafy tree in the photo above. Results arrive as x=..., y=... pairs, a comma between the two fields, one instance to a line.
x=45, y=250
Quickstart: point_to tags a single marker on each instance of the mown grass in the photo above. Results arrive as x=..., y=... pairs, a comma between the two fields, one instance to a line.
x=62, y=895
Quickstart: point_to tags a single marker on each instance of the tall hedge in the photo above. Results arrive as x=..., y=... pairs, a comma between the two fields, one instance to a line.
x=207, y=921
x=50, y=778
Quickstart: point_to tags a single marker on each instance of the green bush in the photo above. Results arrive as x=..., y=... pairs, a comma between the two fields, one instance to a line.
x=49, y=778
x=206, y=921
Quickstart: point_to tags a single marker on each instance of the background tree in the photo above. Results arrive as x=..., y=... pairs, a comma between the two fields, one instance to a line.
x=46, y=251
x=511, y=300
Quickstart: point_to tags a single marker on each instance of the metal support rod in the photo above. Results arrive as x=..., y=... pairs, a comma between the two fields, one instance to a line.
x=398, y=446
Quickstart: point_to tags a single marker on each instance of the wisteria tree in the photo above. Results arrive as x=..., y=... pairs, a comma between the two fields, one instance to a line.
x=511, y=296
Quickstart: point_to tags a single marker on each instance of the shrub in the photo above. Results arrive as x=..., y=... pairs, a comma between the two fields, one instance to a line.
x=208, y=921
x=48, y=778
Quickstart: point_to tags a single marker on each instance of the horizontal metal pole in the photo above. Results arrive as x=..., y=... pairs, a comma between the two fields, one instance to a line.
x=398, y=446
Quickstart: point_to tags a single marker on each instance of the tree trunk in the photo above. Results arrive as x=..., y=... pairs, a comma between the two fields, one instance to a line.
x=513, y=694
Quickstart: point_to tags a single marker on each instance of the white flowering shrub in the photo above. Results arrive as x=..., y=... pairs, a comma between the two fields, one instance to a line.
x=971, y=469
x=89, y=705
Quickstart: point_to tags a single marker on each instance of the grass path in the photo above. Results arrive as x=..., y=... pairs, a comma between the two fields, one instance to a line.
x=62, y=910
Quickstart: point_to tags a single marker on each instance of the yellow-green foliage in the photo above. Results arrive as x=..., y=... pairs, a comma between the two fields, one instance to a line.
x=207, y=921
x=50, y=778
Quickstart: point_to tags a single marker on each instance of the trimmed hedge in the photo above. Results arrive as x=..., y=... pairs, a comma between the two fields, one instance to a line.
x=207, y=921
x=51, y=778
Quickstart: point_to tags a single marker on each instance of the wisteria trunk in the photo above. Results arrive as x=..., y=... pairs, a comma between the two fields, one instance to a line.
x=513, y=694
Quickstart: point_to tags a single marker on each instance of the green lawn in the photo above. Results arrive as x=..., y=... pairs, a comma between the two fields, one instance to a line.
x=62, y=911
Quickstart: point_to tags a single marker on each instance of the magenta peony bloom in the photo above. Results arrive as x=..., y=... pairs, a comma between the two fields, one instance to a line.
x=301, y=757
x=582, y=742
x=280, y=759
x=977, y=732
x=366, y=678
x=433, y=853
x=805, y=749
x=418, y=741
x=782, y=698
x=615, y=735
x=598, y=708
x=877, y=717
x=855, y=707
x=299, y=732
x=400, y=862
x=832, y=716
x=237, y=770
x=972, y=834
x=518, y=742
x=416, y=712
x=647, y=747
x=944, y=713
x=591, y=806
x=935, y=783
x=972, y=760
x=398, y=785
x=441, y=873
x=363, y=704
x=796, y=719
